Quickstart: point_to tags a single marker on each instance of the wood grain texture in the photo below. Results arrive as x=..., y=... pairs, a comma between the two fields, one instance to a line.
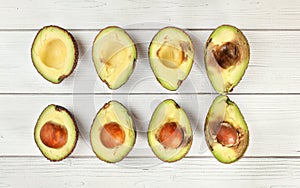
x=273, y=121
x=248, y=14
x=273, y=57
x=191, y=172
x=268, y=95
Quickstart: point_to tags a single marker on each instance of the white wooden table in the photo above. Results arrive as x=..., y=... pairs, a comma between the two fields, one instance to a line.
x=268, y=95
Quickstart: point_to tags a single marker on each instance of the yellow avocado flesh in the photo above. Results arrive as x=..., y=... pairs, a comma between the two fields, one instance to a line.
x=169, y=111
x=112, y=112
x=224, y=80
x=114, y=54
x=54, y=53
x=171, y=56
x=224, y=110
x=58, y=116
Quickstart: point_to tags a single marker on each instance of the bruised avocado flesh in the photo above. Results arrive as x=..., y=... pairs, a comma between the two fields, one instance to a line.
x=227, y=55
x=171, y=56
x=226, y=131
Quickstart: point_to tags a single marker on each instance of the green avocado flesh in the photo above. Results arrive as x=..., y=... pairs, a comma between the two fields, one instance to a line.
x=227, y=55
x=54, y=53
x=171, y=56
x=112, y=133
x=114, y=55
x=56, y=133
x=170, y=134
x=226, y=131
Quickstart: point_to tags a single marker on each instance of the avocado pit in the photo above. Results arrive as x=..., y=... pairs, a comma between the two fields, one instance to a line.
x=54, y=135
x=170, y=55
x=170, y=135
x=227, y=54
x=112, y=135
x=227, y=135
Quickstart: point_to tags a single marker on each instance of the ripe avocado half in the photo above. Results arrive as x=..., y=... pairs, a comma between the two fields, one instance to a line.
x=112, y=133
x=171, y=56
x=114, y=55
x=227, y=55
x=56, y=133
x=54, y=53
x=226, y=131
x=170, y=134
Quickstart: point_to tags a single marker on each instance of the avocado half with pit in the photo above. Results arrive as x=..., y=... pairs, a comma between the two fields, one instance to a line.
x=56, y=133
x=226, y=131
x=114, y=55
x=170, y=134
x=171, y=56
x=112, y=133
x=54, y=53
x=227, y=55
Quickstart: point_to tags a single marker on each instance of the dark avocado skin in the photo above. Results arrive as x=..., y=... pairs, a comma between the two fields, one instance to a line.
x=60, y=108
x=62, y=77
x=134, y=61
x=134, y=128
x=180, y=81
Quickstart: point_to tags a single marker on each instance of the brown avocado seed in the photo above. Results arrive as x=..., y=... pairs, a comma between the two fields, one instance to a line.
x=112, y=135
x=227, y=54
x=170, y=135
x=54, y=135
x=227, y=135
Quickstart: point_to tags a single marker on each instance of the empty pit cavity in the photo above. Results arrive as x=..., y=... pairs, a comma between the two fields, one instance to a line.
x=53, y=53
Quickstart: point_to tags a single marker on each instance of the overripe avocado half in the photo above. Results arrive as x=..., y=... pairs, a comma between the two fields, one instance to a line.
x=226, y=131
x=112, y=133
x=227, y=55
x=170, y=134
x=171, y=56
x=114, y=55
x=54, y=53
x=56, y=133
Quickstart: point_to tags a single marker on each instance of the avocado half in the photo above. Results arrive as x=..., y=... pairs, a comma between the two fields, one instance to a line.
x=171, y=56
x=56, y=133
x=170, y=134
x=54, y=53
x=112, y=133
x=226, y=131
x=227, y=55
x=114, y=55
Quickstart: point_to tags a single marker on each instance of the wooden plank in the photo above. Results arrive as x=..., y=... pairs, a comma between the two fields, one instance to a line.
x=32, y=14
x=273, y=66
x=273, y=121
x=148, y=172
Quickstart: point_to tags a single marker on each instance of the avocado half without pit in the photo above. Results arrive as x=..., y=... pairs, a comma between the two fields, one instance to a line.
x=112, y=133
x=54, y=53
x=169, y=134
x=56, y=133
x=226, y=131
x=171, y=56
x=114, y=55
x=227, y=55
